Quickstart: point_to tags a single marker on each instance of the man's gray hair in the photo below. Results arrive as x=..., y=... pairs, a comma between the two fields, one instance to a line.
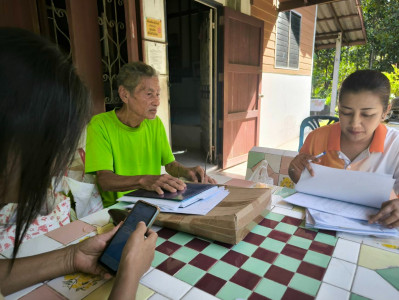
x=131, y=74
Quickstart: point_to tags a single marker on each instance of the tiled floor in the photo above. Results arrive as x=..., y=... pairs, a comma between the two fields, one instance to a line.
x=193, y=158
x=237, y=171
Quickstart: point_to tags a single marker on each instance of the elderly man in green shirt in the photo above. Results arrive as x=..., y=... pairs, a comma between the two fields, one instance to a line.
x=126, y=147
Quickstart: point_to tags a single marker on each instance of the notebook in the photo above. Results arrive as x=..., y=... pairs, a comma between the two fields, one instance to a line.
x=192, y=193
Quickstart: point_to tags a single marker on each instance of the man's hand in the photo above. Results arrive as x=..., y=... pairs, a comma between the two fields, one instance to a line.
x=158, y=183
x=194, y=174
x=197, y=174
x=299, y=163
x=388, y=214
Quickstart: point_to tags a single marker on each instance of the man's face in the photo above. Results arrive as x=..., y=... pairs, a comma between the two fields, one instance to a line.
x=144, y=101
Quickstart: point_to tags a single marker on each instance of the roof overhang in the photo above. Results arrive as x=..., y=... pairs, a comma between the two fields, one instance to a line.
x=334, y=17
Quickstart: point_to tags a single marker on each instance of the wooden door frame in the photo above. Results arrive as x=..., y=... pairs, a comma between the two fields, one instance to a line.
x=217, y=85
x=238, y=68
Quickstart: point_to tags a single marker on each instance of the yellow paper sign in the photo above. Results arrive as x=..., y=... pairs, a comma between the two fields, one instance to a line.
x=154, y=27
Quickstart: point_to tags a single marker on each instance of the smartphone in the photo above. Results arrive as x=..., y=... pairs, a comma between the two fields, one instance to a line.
x=141, y=211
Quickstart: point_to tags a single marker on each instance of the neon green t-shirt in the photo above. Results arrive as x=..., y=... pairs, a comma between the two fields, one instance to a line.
x=113, y=146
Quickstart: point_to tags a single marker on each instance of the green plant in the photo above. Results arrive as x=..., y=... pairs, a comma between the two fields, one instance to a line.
x=394, y=80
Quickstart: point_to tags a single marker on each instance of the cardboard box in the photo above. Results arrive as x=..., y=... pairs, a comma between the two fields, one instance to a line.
x=230, y=221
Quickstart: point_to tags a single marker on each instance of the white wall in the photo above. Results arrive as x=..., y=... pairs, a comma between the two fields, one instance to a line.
x=285, y=104
x=245, y=6
x=221, y=2
x=164, y=107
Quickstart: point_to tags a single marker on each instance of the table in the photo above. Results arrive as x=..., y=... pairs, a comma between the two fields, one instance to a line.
x=279, y=260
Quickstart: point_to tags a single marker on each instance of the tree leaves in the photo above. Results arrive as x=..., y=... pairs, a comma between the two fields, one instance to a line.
x=380, y=53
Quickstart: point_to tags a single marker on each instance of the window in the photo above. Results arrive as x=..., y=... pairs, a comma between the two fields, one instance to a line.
x=288, y=38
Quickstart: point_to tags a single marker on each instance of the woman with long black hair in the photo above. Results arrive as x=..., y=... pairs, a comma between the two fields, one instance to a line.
x=43, y=109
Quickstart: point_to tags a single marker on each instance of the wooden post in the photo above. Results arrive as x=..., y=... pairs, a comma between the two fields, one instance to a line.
x=335, y=74
x=19, y=13
x=86, y=49
x=131, y=30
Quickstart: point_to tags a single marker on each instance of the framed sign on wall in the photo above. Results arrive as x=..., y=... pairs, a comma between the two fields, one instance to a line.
x=154, y=20
x=155, y=56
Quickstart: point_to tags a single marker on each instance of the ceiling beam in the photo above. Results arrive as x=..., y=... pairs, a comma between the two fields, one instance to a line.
x=360, y=12
x=339, y=18
x=334, y=34
x=292, y=4
x=326, y=37
x=337, y=22
x=332, y=45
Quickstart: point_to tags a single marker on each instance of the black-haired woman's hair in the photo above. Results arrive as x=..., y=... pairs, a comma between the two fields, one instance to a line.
x=43, y=109
x=367, y=81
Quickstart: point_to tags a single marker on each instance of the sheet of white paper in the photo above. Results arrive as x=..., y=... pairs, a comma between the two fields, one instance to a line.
x=201, y=207
x=328, y=221
x=171, y=204
x=201, y=196
x=162, y=203
x=204, y=206
x=370, y=189
x=336, y=207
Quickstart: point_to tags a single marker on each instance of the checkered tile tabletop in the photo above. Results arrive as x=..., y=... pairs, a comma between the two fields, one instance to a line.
x=278, y=259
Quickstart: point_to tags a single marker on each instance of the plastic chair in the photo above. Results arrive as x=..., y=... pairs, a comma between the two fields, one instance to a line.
x=313, y=122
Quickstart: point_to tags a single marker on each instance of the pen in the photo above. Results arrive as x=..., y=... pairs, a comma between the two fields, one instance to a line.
x=320, y=155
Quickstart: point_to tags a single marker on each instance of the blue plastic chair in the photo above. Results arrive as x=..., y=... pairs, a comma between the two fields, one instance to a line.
x=313, y=122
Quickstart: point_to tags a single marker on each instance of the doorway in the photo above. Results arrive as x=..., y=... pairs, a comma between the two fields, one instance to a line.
x=192, y=71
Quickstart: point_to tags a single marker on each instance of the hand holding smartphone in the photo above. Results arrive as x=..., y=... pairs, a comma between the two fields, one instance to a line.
x=142, y=211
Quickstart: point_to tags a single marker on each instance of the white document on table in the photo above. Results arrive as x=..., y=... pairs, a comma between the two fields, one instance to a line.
x=332, y=206
x=163, y=204
x=204, y=206
x=323, y=220
x=201, y=207
x=364, y=188
x=343, y=200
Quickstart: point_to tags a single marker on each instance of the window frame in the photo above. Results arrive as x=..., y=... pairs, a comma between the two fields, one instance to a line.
x=287, y=67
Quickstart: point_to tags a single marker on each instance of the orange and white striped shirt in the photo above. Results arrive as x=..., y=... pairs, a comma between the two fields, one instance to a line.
x=382, y=156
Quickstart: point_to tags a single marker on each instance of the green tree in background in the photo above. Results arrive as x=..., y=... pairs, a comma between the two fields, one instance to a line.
x=382, y=27
x=381, y=19
x=394, y=80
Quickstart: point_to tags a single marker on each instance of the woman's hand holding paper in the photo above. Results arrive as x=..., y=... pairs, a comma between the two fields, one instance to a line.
x=388, y=214
x=299, y=163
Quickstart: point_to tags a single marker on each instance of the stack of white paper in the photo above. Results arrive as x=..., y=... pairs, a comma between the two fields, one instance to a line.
x=323, y=220
x=208, y=200
x=343, y=200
